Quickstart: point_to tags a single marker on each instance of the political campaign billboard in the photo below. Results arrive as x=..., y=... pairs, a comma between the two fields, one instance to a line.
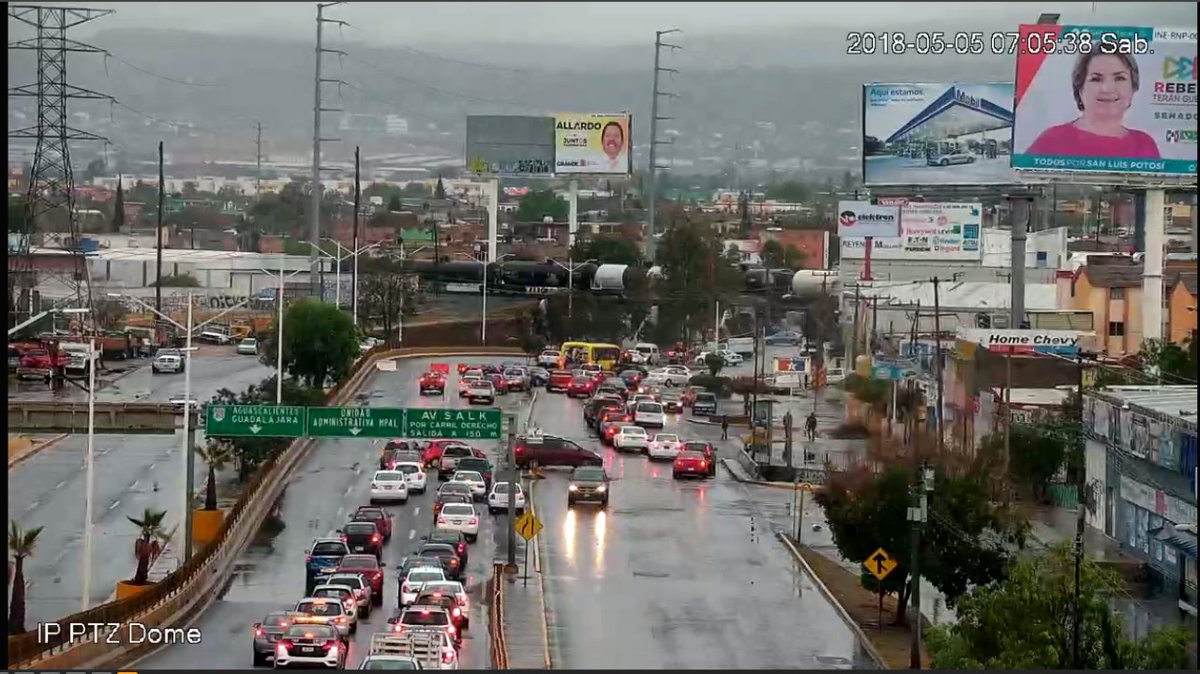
x=954, y=133
x=1106, y=99
x=862, y=219
x=592, y=144
x=510, y=145
x=939, y=232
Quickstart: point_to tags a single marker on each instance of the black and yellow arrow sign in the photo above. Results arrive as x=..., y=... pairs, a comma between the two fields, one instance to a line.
x=527, y=525
x=880, y=564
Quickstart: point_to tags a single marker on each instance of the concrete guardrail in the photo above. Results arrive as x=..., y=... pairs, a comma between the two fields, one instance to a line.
x=188, y=591
x=496, y=619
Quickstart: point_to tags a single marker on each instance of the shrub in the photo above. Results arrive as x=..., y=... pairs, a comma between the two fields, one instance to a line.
x=851, y=430
x=722, y=386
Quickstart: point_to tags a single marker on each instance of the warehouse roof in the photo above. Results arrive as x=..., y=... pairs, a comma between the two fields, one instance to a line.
x=958, y=294
x=1175, y=402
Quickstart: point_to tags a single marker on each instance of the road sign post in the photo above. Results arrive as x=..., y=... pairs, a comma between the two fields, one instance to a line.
x=880, y=564
x=528, y=526
x=254, y=421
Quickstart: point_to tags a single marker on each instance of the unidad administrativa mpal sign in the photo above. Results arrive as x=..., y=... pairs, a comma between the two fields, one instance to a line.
x=1057, y=342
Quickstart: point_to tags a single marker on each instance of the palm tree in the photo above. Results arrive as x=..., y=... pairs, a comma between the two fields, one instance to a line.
x=218, y=455
x=149, y=543
x=21, y=544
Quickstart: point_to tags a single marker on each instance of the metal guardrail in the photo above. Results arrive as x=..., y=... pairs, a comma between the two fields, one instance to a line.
x=172, y=600
x=496, y=619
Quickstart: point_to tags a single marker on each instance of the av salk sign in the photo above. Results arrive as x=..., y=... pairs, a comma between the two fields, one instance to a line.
x=1056, y=342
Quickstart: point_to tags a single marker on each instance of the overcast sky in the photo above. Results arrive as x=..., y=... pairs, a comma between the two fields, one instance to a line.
x=584, y=23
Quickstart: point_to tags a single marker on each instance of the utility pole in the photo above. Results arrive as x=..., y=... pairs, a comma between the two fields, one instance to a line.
x=652, y=216
x=818, y=364
x=1080, y=522
x=515, y=481
x=258, y=155
x=910, y=417
x=918, y=514
x=354, y=275
x=314, y=233
x=937, y=358
x=158, y=234
x=1018, y=227
x=51, y=180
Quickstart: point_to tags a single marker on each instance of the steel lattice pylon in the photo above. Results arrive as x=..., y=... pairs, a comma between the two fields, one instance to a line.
x=51, y=182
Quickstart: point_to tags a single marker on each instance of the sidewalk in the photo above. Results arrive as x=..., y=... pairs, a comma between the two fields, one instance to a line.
x=526, y=632
x=21, y=447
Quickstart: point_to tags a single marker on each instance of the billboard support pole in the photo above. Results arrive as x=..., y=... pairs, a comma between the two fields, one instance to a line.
x=1018, y=228
x=1152, y=265
x=869, y=242
x=493, y=217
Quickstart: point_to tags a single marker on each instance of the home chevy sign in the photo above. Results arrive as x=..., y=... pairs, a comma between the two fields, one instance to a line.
x=1056, y=342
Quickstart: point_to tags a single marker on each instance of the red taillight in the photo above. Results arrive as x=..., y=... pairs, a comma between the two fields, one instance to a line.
x=448, y=657
x=441, y=520
x=258, y=632
x=344, y=538
x=332, y=648
x=283, y=647
x=457, y=612
x=307, y=558
x=453, y=562
x=450, y=629
x=474, y=521
x=375, y=538
x=703, y=463
x=341, y=620
x=398, y=628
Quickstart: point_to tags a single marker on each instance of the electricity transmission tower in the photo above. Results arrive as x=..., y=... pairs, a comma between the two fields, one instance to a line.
x=651, y=242
x=314, y=258
x=51, y=182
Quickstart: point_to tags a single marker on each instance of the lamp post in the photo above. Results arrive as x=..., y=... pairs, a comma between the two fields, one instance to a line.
x=570, y=266
x=353, y=253
x=337, y=291
x=279, y=326
x=484, y=264
x=189, y=453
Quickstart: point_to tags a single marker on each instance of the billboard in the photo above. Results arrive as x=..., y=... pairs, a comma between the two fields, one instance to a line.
x=928, y=231
x=592, y=143
x=937, y=134
x=1107, y=100
x=510, y=145
x=861, y=219
x=1056, y=342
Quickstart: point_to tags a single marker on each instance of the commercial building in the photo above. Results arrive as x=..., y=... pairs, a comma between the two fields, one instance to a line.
x=1140, y=458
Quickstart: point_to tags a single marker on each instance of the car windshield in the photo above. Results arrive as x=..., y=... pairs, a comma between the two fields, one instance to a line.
x=636, y=431
x=502, y=488
x=377, y=662
x=691, y=455
x=696, y=447
x=458, y=510
x=329, y=549
x=456, y=450
x=424, y=576
x=443, y=588
x=391, y=475
x=467, y=476
x=349, y=580
x=424, y=617
x=276, y=620
x=408, y=468
x=649, y=407
x=456, y=488
x=580, y=380
x=369, y=515
x=334, y=592
x=436, y=550
x=359, y=529
x=666, y=437
x=310, y=632
x=319, y=608
x=589, y=474
x=706, y=397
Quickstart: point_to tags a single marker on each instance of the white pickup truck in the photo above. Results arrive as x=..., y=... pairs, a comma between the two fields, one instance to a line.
x=431, y=648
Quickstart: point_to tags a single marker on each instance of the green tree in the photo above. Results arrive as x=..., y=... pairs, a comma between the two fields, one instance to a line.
x=715, y=363
x=532, y=343
x=22, y=543
x=249, y=453
x=698, y=271
x=1035, y=455
x=95, y=167
x=217, y=455
x=965, y=542
x=1026, y=622
x=320, y=342
x=791, y=191
x=537, y=204
x=1172, y=362
x=118, y=216
x=608, y=249
x=152, y=536
x=415, y=189
x=108, y=312
x=16, y=214
x=385, y=295
x=776, y=256
x=394, y=204
x=439, y=190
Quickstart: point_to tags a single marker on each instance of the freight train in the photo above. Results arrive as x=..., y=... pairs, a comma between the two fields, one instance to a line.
x=549, y=278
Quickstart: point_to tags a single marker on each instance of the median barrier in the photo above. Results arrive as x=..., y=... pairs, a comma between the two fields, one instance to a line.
x=499, y=647
x=183, y=594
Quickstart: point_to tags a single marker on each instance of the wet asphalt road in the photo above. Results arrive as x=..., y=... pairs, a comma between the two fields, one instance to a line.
x=675, y=574
x=47, y=490
x=325, y=490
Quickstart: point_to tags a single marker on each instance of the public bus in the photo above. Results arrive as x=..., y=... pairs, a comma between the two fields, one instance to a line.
x=585, y=353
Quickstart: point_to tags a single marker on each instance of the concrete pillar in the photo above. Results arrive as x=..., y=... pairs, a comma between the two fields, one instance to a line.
x=573, y=217
x=1153, y=203
x=493, y=196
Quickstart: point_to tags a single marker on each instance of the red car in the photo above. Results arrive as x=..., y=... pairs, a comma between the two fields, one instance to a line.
x=705, y=448
x=581, y=386
x=370, y=569
x=383, y=521
x=463, y=367
x=433, y=451
x=550, y=450
x=560, y=380
x=614, y=414
x=690, y=463
x=608, y=429
x=433, y=382
x=498, y=381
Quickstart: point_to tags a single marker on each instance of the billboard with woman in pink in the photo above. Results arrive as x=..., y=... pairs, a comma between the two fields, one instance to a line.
x=1105, y=99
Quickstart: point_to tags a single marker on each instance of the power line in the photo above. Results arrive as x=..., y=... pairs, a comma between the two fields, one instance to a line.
x=109, y=55
x=446, y=92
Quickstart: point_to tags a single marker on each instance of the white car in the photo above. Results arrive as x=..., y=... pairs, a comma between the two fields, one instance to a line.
x=410, y=587
x=473, y=478
x=340, y=593
x=368, y=344
x=414, y=474
x=631, y=437
x=460, y=517
x=248, y=347
x=649, y=413
x=481, y=391
x=664, y=446
x=308, y=645
x=497, y=499
x=426, y=618
x=450, y=587
x=359, y=586
x=731, y=359
x=674, y=375
x=167, y=363
x=214, y=337
x=389, y=485
x=638, y=398
x=322, y=611
x=548, y=359
x=389, y=662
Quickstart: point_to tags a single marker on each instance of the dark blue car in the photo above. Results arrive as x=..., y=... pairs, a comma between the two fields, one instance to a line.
x=322, y=561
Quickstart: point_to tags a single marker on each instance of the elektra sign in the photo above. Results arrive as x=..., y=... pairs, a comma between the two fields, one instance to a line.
x=1057, y=342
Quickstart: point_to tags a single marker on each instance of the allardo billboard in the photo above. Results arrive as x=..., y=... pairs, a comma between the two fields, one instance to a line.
x=592, y=144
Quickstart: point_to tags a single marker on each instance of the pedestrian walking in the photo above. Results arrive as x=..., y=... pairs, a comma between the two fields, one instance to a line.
x=810, y=426
x=725, y=427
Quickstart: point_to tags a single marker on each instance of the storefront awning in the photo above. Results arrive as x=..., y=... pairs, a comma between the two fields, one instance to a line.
x=1182, y=541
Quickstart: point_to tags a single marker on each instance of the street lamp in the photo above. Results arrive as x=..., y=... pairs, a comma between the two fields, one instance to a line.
x=279, y=328
x=484, y=264
x=571, y=267
x=355, y=254
x=404, y=254
x=337, y=293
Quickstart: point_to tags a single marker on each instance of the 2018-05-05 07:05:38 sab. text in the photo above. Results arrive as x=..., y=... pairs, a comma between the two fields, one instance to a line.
x=118, y=633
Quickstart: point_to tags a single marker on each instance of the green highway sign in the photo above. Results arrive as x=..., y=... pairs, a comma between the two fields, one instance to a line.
x=462, y=424
x=256, y=421
x=356, y=422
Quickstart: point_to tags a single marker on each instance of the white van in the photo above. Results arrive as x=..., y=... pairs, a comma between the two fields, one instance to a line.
x=648, y=352
x=743, y=346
